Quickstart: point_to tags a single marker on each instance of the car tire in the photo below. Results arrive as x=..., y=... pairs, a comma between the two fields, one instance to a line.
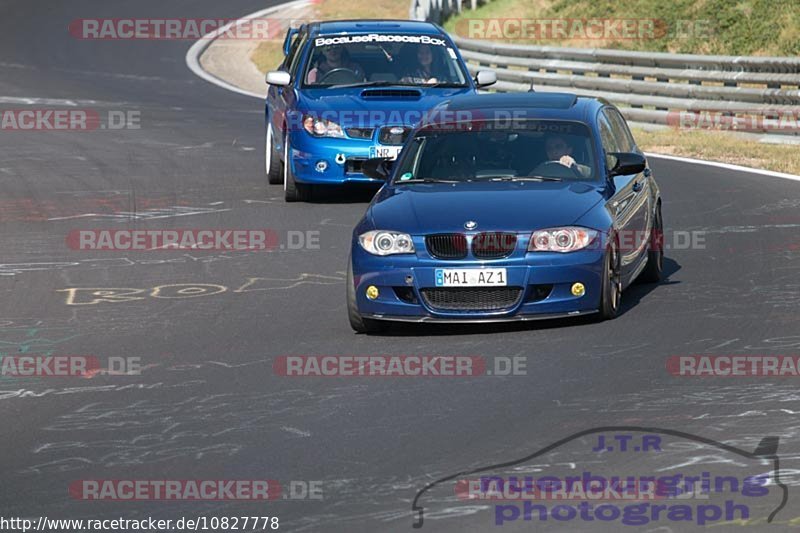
x=272, y=159
x=611, y=285
x=292, y=191
x=654, y=270
x=357, y=322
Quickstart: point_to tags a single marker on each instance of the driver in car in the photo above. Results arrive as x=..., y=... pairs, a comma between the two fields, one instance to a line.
x=560, y=150
x=336, y=57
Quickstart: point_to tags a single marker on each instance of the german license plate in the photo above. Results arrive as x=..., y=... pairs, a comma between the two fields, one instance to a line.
x=471, y=277
x=385, y=151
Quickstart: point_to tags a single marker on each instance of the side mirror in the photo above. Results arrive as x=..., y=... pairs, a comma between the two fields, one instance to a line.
x=378, y=168
x=625, y=163
x=279, y=78
x=484, y=78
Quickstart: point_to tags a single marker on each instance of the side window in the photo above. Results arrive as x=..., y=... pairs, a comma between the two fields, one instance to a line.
x=627, y=131
x=606, y=134
x=620, y=130
x=291, y=58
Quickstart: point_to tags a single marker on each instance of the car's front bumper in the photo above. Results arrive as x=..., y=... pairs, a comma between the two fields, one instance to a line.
x=341, y=157
x=546, y=280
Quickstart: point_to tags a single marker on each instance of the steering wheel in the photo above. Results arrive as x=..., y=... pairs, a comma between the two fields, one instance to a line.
x=557, y=170
x=340, y=75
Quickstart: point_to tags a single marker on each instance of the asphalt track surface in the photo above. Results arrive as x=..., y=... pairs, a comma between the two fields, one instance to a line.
x=208, y=405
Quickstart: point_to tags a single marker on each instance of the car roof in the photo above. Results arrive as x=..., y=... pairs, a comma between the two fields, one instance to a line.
x=553, y=105
x=329, y=27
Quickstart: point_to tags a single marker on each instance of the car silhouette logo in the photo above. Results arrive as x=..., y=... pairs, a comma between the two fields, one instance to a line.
x=470, y=224
x=397, y=130
x=550, y=456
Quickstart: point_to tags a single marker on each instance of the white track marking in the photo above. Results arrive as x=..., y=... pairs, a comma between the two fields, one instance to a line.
x=197, y=49
x=726, y=166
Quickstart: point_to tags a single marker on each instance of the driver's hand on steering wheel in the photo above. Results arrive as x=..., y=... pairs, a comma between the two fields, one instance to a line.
x=567, y=161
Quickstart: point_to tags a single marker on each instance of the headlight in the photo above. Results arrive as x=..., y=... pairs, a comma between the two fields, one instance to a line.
x=380, y=242
x=567, y=239
x=319, y=127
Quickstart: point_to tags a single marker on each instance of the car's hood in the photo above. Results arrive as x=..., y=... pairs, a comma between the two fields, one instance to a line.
x=375, y=106
x=507, y=206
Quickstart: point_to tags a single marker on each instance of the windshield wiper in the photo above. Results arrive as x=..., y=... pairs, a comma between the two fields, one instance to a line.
x=520, y=178
x=445, y=84
x=374, y=83
x=424, y=180
x=387, y=83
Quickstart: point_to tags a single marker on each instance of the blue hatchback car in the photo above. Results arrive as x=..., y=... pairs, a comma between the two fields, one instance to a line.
x=351, y=90
x=529, y=206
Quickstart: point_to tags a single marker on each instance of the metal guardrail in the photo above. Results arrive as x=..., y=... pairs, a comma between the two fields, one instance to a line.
x=647, y=86
x=439, y=10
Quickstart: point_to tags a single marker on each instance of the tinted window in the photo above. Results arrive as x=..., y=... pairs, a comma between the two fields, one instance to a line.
x=620, y=131
x=627, y=131
x=294, y=52
x=606, y=134
x=488, y=150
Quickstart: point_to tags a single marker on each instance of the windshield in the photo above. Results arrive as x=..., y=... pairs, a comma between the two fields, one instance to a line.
x=382, y=59
x=534, y=150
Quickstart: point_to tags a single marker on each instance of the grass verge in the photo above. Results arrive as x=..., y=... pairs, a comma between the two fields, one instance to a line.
x=720, y=146
x=743, y=27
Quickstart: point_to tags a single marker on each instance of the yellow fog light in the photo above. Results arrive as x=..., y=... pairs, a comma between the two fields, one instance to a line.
x=578, y=289
x=372, y=292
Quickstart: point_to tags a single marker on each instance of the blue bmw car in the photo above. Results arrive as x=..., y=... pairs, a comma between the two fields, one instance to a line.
x=529, y=206
x=351, y=90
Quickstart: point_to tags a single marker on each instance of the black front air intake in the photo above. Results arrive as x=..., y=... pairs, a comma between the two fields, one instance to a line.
x=472, y=298
x=447, y=245
x=493, y=244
